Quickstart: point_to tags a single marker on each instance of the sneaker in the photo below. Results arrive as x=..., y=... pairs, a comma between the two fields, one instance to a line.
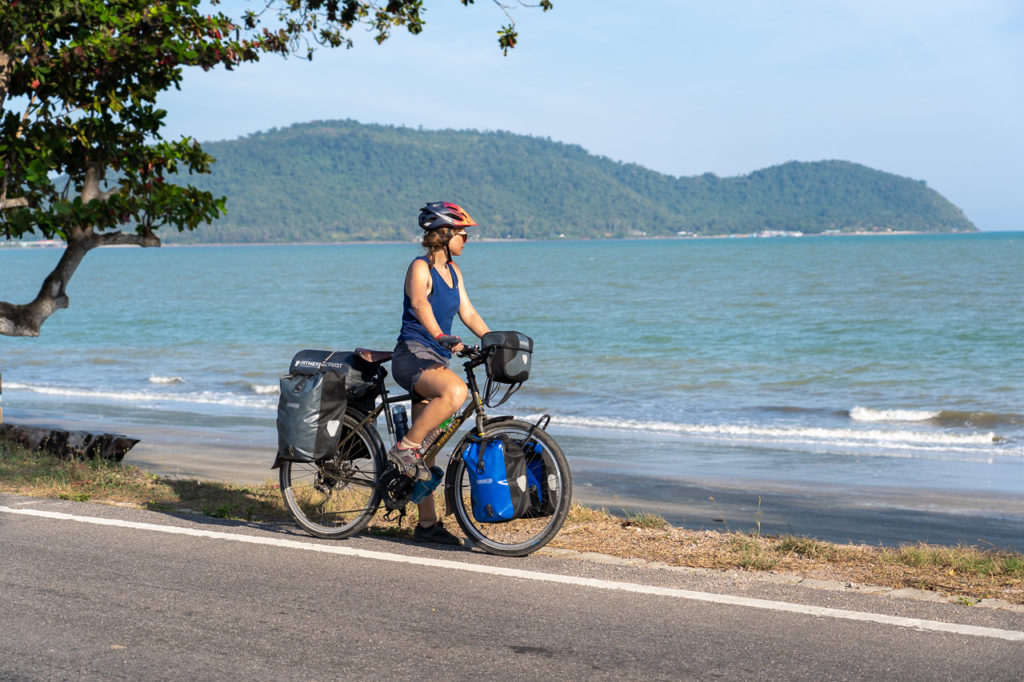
x=436, y=534
x=410, y=463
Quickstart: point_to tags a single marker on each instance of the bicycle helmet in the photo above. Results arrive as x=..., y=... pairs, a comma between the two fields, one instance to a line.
x=444, y=214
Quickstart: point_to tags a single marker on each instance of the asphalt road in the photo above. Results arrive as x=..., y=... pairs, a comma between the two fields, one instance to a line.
x=79, y=600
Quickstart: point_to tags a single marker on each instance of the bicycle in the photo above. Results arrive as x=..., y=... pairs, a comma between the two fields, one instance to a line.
x=338, y=497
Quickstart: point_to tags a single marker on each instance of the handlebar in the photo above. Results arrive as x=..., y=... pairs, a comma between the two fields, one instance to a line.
x=471, y=352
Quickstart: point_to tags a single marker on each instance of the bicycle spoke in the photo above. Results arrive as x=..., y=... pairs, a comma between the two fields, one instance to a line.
x=522, y=535
x=339, y=496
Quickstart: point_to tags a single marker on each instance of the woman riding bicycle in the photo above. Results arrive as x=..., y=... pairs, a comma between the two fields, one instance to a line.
x=434, y=292
x=338, y=495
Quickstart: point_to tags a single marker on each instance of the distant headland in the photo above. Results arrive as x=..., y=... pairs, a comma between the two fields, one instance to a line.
x=330, y=181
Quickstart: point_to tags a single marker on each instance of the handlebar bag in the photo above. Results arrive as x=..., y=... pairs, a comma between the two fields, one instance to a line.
x=497, y=479
x=509, y=356
x=309, y=416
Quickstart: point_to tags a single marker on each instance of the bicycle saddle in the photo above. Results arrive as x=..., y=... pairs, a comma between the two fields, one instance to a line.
x=375, y=357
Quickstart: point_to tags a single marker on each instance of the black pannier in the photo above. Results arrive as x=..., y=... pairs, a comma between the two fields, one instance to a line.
x=540, y=482
x=509, y=356
x=360, y=376
x=309, y=416
x=314, y=395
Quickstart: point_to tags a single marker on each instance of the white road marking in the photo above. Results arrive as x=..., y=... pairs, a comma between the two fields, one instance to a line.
x=710, y=597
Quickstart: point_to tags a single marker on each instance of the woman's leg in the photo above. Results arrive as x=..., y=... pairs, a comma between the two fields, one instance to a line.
x=446, y=393
x=426, y=507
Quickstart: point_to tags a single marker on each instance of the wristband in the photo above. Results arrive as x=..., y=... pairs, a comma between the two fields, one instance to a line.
x=439, y=336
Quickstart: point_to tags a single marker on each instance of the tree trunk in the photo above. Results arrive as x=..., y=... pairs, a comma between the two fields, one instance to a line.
x=5, y=80
x=27, y=319
x=5, y=76
x=69, y=444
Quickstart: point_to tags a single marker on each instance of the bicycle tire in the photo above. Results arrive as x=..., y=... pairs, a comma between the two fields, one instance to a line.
x=337, y=497
x=521, y=536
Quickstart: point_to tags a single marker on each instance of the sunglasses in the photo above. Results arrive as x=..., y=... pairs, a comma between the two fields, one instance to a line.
x=464, y=235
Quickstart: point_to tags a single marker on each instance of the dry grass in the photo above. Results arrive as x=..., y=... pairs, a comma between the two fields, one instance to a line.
x=41, y=475
x=967, y=573
x=971, y=572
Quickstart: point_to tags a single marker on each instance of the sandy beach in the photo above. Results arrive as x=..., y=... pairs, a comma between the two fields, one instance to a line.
x=866, y=514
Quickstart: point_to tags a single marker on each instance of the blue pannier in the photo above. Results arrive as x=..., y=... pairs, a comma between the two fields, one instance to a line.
x=497, y=478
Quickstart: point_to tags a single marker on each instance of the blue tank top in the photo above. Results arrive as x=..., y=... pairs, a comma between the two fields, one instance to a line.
x=444, y=301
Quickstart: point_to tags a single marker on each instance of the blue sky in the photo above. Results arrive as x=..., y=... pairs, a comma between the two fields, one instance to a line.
x=932, y=90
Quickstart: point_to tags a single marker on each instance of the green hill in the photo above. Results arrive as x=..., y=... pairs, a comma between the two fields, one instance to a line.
x=342, y=180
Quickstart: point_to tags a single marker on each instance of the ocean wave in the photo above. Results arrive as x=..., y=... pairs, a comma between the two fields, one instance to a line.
x=867, y=414
x=149, y=399
x=154, y=379
x=794, y=434
x=977, y=419
x=263, y=397
x=955, y=418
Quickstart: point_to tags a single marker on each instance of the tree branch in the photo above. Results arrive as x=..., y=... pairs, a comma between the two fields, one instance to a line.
x=120, y=239
x=5, y=76
x=91, y=186
x=522, y=3
x=24, y=117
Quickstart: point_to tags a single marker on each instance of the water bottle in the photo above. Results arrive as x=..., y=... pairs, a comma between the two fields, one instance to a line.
x=401, y=418
x=424, y=488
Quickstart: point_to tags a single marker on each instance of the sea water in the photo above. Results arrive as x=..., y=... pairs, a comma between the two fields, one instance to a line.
x=841, y=361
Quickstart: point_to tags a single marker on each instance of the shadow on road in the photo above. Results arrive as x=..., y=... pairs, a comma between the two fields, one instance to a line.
x=216, y=505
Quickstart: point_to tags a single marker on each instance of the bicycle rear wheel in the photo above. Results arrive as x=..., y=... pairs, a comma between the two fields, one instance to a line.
x=522, y=536
x=337, y=498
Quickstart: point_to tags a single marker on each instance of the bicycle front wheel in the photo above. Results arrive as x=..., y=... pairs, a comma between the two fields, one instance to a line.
x=521, y=536
x=337, y=498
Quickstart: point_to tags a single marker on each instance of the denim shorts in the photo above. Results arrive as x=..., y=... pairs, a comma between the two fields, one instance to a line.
x=411, y=359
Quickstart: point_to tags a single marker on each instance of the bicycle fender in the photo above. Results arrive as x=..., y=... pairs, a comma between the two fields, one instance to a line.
x=449, y=478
